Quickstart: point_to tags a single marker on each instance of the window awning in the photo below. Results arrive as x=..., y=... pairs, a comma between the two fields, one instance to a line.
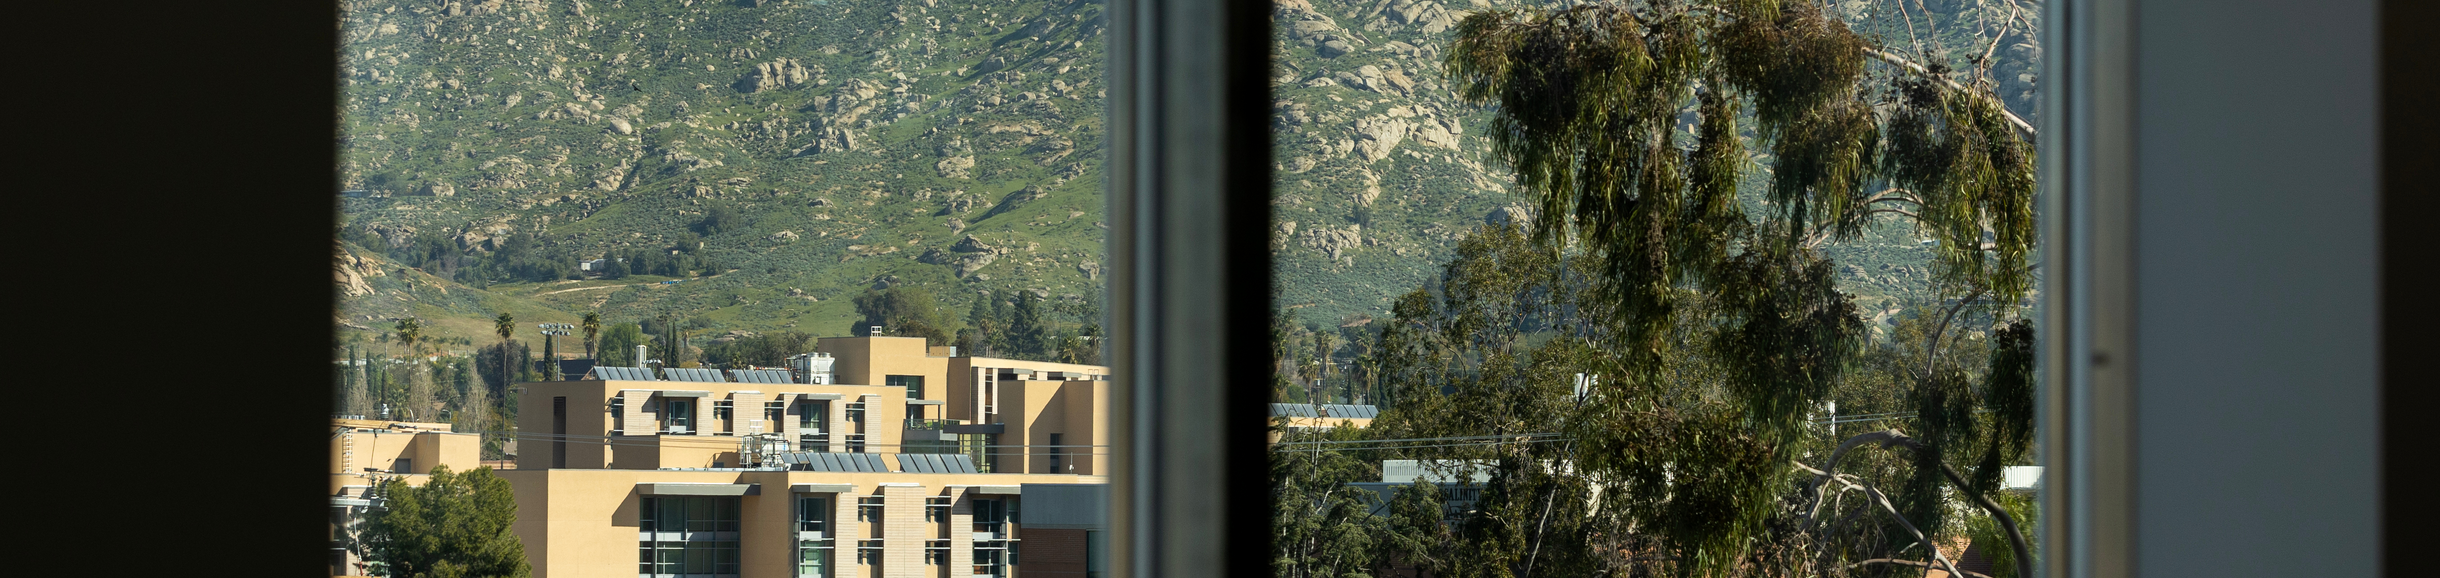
x=823, y=488
x=820, y=396
x=999, y=490
x=698, y=489
x=683, y=393
x=926, y=402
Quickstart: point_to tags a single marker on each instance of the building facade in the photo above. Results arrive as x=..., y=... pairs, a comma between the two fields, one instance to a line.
x=872, y=457
x=364, y=453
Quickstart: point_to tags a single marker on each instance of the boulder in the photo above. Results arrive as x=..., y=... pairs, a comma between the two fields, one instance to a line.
x=1333, y=49
x=1379, y=135
x=955, y=167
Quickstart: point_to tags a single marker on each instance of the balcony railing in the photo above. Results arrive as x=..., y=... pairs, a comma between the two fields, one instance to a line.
x=929, y=424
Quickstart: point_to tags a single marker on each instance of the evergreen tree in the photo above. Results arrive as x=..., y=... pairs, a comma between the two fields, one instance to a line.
x=1028, y=333
x=454, y=525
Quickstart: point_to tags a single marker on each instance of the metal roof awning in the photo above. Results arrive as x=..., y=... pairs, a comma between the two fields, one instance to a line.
x=823, y=488
x=926, y=402
x=698, y=489
x=937, y=463
x=820, y=396
x=683, y=393
x=832, y=462
x=999, y=490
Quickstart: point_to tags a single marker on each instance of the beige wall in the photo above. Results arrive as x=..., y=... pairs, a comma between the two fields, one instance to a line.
x=868, y=360
x=584, y=522
x=590, y=445
x=360, y=444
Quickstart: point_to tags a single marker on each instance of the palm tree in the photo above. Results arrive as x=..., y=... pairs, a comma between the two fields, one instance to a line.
x=410, y=332
x=593, y=330
x=506, y=326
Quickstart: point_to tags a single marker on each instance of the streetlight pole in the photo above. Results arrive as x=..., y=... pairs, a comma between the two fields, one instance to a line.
x=550, y=353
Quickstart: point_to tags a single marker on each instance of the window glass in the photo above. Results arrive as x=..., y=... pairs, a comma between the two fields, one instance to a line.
x=722, y=185
x=1560, y=281
x=912, y=383
x=813, y=559
x=812, y=513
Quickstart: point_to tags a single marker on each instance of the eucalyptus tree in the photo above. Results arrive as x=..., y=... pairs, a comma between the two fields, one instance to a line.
x=1715, y=325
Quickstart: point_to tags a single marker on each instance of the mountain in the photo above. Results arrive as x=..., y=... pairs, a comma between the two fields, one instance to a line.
x=778, y=157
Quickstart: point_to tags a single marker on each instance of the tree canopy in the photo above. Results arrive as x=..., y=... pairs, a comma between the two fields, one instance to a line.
x=903, y=311
x=1649, y=354
x=454, y=525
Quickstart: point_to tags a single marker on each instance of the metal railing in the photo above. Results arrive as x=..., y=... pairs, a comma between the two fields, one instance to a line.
x=929, y=424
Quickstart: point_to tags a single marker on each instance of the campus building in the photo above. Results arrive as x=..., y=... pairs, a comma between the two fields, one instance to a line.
x=364, y=453
x=871, y=457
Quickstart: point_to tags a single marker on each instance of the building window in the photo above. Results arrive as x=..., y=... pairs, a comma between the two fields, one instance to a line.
x=868, y=509
x=724, y=411
x=855, y=412
x=812, y=514
x=990, y=559
x=677, y=416
x=990, y=519
x=618, y=415
x=936, y=509
x=688, y=536
x=936, y=552
x=868, y=552
x=913, y=383
x=773, y=414
x=1058, y=463
x=813, y=558
x=855, y=443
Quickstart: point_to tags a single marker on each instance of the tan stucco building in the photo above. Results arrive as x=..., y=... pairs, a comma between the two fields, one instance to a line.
x=875, y=457
x=365, y=452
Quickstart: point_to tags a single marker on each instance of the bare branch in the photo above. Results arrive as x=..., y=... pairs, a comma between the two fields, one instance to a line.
x=1910, y=563
x=2013, y=11
x=1931, y=348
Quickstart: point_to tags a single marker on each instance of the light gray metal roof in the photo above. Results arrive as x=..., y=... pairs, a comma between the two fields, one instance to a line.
x=687, y=489
x=833, y=462
x=1332, y=409
x=694, y=374
x=604, y=372
x=762, y=376
x=936, y=463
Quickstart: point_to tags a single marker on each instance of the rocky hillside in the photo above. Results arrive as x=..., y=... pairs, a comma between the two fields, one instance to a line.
x=950, y=145
x=955, y=146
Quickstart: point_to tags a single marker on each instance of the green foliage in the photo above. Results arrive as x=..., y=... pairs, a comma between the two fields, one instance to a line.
x=454, y=525
x=1322, y=527
x=904, y=312
x=618, y=345
x=1029, y=333
x=757, y=350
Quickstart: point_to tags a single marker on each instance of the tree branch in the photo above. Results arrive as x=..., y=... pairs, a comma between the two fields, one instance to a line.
x=1919, y=70
x=1911, y=563
x=2016, y=538
x=1931, y=348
